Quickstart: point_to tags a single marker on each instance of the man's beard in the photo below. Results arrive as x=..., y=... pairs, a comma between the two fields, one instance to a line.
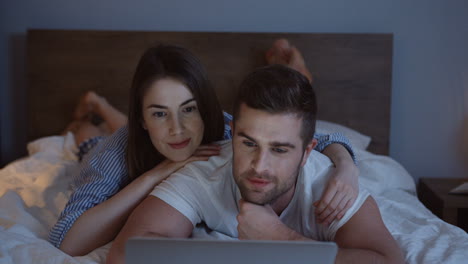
x=267, y=197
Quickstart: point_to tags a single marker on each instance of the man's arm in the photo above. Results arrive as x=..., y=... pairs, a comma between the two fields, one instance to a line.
x=363, y=239
x=154, y=218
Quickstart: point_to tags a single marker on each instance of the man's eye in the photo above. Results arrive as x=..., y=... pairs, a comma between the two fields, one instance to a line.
x=190, y=109
x=280, y=150
x=159, y=114
x=249, y=143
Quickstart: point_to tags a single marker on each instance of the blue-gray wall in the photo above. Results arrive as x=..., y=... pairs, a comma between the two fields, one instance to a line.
x=430, y=71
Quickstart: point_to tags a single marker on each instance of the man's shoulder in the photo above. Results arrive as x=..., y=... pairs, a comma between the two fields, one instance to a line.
x=199, y=189
x=317, y=163
x=214, y=165
x=314, y=176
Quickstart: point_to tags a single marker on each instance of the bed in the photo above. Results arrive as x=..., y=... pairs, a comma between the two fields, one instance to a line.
x=353, y=84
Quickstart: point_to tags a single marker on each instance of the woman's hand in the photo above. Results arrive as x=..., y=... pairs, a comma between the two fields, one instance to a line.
x=167, y=167
x=340, y=194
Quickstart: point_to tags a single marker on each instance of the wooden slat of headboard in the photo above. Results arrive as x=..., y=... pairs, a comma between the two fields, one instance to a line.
x=352, y=72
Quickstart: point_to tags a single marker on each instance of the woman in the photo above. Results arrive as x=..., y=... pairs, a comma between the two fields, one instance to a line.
x=173, y=116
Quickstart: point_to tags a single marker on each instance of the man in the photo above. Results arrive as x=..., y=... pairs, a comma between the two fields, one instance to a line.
x=265, y=187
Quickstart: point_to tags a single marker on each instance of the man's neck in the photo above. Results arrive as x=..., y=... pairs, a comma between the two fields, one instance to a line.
x=283, y=201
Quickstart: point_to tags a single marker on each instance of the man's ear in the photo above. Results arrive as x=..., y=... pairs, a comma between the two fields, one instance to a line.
x=312, y=144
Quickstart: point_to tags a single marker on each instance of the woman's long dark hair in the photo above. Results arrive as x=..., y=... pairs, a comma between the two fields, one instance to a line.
x=166, y=61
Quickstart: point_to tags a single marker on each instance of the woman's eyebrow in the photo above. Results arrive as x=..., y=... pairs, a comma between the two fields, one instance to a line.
x=188, y=101
x=165, y=107
x=157, y=106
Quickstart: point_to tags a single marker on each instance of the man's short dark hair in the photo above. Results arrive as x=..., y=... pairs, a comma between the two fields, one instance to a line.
x=279, y=89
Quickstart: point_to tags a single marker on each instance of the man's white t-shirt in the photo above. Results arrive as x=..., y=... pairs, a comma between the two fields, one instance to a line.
x=205, y=191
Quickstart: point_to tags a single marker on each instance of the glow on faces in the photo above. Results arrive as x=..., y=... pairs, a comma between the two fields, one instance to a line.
x=268, y=153
x=172, y=119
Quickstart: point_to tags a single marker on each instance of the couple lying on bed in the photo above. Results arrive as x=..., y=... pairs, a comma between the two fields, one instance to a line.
x=277, y=184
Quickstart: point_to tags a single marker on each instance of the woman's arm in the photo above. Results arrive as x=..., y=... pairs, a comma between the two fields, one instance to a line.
x=100, y=207
x=102, y=174
x=100, y=224
x=342, y=189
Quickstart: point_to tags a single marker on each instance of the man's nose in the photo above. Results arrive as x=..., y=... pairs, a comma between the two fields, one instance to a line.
x=260, y=163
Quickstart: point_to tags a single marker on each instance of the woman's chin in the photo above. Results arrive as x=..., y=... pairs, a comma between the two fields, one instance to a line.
x=180, y=157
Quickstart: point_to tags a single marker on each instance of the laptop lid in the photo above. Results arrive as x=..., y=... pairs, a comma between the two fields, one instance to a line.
x=180, y=251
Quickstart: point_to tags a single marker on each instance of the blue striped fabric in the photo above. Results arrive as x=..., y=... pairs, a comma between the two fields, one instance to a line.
x=103, y=173
x=87, y=145
x=326, y=139
x=227, y=127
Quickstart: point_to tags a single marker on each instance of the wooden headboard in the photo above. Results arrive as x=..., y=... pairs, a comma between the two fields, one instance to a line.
x=352, y=72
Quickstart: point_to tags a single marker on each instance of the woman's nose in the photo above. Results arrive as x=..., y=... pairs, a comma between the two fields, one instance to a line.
x=176, y=126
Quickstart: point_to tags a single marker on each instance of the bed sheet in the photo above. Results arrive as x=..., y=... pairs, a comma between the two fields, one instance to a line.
x=423, y=237
x=34, y=190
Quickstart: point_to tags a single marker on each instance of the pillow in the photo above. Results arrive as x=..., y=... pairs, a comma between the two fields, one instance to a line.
x=358, y=140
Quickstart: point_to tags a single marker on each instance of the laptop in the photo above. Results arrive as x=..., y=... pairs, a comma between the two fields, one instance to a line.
x=194, y=251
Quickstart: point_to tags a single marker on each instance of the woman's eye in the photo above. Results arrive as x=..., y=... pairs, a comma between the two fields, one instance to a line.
x=159, y=114
x=190, y=109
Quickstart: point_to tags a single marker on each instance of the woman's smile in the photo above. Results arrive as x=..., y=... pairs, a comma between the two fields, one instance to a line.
x=180, y=144
x=172, y=119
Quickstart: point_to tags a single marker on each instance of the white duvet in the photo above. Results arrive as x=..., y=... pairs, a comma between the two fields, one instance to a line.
x=34, y=190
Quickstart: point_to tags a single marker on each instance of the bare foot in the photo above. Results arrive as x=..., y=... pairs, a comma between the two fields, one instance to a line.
x=93, y=117
x=279, y=53
x=89, y=103
x=282, y=52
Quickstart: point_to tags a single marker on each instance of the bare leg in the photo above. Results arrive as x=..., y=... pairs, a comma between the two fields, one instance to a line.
x=282, y=52
x=91, y=103
x=84, y=130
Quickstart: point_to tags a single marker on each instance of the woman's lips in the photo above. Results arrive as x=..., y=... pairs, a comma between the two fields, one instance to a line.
x=180, y=145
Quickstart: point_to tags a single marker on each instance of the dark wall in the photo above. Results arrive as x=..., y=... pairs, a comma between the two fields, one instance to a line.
x=430, y=71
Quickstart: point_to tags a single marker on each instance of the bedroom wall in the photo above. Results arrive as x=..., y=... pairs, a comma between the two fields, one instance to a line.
x=430, y=73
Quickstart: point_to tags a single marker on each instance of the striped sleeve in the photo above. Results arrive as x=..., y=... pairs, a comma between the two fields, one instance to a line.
x=227, y=126
x=102, y=174
x=324, y=140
